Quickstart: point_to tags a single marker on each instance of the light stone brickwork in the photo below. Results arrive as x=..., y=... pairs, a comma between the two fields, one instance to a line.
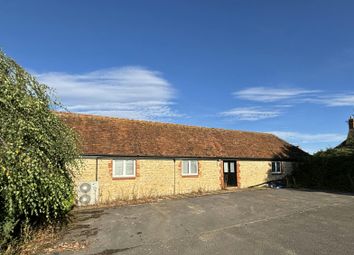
x=208, y=178
x=87, y=172
x=155, y=177
x=161, y=177
x=253, y=173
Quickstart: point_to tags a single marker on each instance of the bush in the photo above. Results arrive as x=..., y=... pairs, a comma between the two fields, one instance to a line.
x=38, y=154
x=331, y=169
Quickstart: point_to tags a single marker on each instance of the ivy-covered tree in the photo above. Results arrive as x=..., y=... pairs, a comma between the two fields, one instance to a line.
x=38, y=154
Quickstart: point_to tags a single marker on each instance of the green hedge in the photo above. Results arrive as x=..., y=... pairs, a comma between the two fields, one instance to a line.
x=331, y=169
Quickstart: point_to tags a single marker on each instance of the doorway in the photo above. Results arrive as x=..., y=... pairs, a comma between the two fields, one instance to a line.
x=230, y=177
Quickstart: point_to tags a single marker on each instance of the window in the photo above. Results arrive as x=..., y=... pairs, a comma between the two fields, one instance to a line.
x=123, y=168
x=276, y=167
x=189, y=167
x=226, y=167
x=232, y=167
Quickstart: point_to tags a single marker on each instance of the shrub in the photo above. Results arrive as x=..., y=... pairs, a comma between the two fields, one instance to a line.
x=38, y=154
x=331, y=169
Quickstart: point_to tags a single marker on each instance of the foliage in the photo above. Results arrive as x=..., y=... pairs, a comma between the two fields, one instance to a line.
x=330, y=169
x=38, y=154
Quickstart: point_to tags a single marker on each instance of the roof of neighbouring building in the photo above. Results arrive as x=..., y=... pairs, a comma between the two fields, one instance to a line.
x=349, y=142
x=124, y=137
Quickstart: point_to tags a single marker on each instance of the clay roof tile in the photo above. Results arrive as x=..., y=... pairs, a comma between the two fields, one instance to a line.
x=123, y=137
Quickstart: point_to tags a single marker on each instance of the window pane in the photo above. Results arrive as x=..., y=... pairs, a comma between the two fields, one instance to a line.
x=185, y=167
x=226, y=167
x=194, y=167
x=232, y=167
x=129, y=167
x=278, y=167
x=118, y=168
x=273, y=167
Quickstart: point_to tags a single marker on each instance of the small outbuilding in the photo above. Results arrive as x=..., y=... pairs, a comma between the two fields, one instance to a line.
x=130, y=159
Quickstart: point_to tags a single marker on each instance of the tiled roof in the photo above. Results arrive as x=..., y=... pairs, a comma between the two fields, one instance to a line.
x=349, y=142
x=123, y=137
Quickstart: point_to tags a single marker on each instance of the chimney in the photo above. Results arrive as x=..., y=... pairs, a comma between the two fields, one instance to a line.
x=351, y=123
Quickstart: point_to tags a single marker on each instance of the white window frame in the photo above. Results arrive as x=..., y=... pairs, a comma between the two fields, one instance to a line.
x=277, y=170
x=189, y=167
x=124, y=168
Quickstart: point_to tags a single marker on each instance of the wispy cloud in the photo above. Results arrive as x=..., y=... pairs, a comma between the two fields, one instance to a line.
x=264, y=94
x=291, y=96
x=251, y=113
x=280, y=99
x=311, y=142
x=310, y=138
x=132, y=92
x=333, y=100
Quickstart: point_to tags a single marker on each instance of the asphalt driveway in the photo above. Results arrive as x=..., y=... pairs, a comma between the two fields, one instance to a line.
x=246, y=222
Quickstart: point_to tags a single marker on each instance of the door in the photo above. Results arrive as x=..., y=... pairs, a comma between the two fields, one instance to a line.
x=230, y=178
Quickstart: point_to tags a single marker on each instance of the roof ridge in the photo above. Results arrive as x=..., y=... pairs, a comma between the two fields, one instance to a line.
x=162, y=123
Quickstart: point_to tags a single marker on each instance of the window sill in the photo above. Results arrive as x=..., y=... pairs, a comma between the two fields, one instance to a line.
x=124, y=178
x=277, y=173
x=191, y=176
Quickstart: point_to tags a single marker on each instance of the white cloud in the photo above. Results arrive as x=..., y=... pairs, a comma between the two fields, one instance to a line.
x=310, y=138
x=131, y=92
x=251, y=113
x=264, y=94
x=294, y=95
x=334, y=100
x=279, y=99
x=311, y=142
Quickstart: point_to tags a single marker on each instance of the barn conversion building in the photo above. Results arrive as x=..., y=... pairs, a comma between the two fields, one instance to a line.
x=131, y=159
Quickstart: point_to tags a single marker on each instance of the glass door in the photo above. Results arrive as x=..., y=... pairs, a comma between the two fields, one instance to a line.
x=230, y=173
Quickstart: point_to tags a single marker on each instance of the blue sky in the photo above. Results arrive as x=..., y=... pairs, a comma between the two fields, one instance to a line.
x=285, y=67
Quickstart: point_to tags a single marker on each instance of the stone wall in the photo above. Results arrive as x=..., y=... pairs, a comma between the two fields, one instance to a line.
x=253, y=173
x=154, y=177
x=207, y=179
x=161, y=177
